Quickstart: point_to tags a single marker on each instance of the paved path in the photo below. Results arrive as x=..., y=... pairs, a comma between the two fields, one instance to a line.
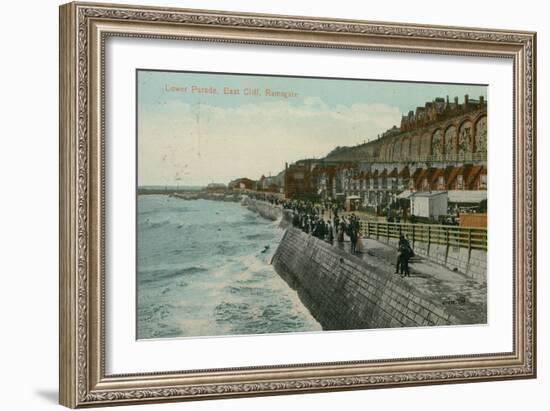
x=461, y=295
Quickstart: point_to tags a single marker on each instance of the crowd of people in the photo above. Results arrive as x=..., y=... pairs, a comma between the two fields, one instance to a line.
x=326, y=222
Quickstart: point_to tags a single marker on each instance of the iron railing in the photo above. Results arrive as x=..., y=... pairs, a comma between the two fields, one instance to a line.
x=456, y=157
x=448, y=235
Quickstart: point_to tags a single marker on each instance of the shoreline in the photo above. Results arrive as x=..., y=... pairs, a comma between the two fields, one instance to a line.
x=247, y=276
x=195, y=195
x=265, y=209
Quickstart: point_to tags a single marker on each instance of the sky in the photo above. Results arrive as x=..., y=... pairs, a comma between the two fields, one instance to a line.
x=197, y=128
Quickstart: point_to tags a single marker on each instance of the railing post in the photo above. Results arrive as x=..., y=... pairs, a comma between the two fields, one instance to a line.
x=440, y=234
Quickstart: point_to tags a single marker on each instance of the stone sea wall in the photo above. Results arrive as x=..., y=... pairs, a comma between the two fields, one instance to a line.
x=344, y=292
x=266, y=210
x=205, y=195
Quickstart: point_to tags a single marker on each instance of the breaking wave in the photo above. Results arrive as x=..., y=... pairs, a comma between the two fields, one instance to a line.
x=203, y=270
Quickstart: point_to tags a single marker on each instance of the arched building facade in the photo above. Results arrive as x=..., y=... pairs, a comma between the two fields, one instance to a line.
x=441, y=146
x=463, y=138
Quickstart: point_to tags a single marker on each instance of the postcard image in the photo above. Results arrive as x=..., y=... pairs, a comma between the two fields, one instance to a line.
x=282, y=204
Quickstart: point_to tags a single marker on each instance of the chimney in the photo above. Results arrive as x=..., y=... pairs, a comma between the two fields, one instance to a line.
x=456, y=102
x=466, y=100
x=481, y=101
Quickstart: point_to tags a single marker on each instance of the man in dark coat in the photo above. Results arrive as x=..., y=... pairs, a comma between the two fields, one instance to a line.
x=330, y=233
x=353, y=234
x=404, y=253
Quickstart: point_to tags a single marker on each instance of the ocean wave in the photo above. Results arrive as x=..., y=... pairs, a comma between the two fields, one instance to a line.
x=228, y=312
x=156, y=224
x=146, y=277
x=245, y=290
x=258, y=318
x=258, y=236
x=193, y=270
x=227, y=249
x=209, y=272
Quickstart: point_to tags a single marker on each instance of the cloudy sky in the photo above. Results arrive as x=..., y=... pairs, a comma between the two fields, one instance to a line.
x=193, y=129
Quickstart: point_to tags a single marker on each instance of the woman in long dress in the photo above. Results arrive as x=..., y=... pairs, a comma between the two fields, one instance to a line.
x=359, y=247
x=341, y=228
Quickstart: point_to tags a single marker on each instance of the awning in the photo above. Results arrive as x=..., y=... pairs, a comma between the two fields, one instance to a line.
x=405, y=172
x=429, y=193
x=467, y=196
x=420, y=176
x=454, y=172
x=474, y=172
x=435, y=176
x=416, y=174
x=404, y=194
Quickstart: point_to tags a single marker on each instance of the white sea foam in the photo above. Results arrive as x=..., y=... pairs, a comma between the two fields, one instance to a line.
x=204, y=270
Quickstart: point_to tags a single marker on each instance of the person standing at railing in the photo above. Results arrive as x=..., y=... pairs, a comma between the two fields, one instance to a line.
x=404, y=253
x=353, y=238
x=330, y=232
x=341, y=230
x=359, y=248
x=356, y=224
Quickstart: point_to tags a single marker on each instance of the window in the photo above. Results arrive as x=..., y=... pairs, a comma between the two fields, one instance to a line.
x=460, y=182
x=483, y=181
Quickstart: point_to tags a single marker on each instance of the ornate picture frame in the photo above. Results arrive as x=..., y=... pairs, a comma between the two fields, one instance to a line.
x=84, y=30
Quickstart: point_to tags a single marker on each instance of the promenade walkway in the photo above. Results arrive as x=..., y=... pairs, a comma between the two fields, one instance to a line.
x=461, y=295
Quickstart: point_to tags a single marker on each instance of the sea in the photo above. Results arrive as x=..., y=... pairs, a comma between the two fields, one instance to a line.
x=203, y=269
